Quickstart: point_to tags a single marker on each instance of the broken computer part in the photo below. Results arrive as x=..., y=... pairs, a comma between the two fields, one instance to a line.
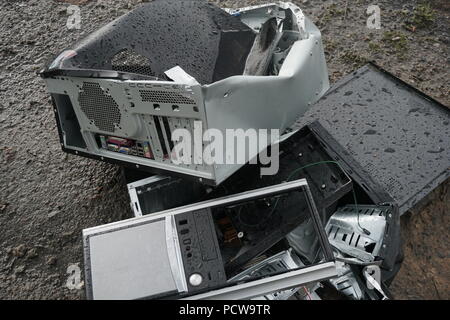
x=366, y=191
x=372, y=275
x=336, y=180
x=358, y=282
x=328, y=182
x=158, y=193
x=280, y=262
x=249, y=224
x=312, y=153
x=399, y=136
x=119, y=94
x=359, y=230
x=358, y=233
x=346, y=282
x=183, y=252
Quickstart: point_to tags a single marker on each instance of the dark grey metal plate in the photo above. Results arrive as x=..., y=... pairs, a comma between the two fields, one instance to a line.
x=398, y=135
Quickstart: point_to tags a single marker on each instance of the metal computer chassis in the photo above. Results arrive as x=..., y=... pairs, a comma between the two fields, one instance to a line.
x=136, y=272
x=140, y=115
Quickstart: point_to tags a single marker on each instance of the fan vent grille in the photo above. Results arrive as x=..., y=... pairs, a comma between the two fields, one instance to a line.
x=99, y=107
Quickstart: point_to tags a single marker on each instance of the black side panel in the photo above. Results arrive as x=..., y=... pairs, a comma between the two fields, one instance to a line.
x=397, y=134
x=160, y=35
x=68, y=122
x=132, y=175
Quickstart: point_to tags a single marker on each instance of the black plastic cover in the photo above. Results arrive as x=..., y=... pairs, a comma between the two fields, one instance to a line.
x=398, y=135
x=199, y=249
x=208, y=43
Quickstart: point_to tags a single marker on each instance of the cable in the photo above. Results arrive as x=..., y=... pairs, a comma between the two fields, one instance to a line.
x=310, y=165
x=307, y=293
x=357, y=215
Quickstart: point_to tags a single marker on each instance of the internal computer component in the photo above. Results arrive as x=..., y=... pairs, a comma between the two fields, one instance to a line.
x=359, y=230
x=125, y=146
x=278, y=263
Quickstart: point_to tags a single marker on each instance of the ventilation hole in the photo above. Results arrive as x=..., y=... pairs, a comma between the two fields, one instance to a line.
x=158, y=96
x=99, y=107
x=156, y=106
x=195, y=109
x=168, y=132
x=344, y=288
x=131, y=62
x=370, y=247
x=335, y=234
x=357, y=240
x=160, y=135
x=329, y=231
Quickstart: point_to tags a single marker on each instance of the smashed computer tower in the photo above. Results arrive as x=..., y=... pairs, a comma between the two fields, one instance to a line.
x=120, y=93
x=187, y=252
